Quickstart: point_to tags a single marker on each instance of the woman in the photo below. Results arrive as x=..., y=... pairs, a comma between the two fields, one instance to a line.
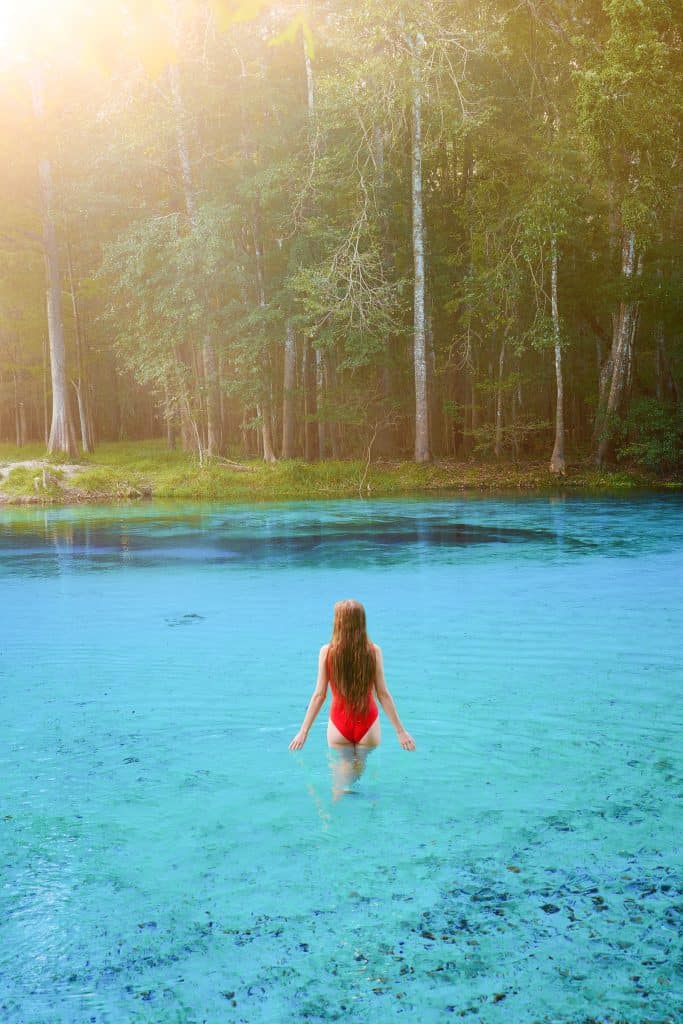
x=353, y=667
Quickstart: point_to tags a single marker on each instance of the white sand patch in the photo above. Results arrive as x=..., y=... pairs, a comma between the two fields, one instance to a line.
x=68, y=469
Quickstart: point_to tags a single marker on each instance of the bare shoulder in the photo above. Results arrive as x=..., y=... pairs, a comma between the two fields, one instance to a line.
x=378, y=651
x=324, y=649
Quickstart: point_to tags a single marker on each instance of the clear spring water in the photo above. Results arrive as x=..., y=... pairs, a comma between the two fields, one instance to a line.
x=165, y=858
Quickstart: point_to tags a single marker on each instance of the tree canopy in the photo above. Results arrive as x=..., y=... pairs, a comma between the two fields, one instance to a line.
x=298, y=229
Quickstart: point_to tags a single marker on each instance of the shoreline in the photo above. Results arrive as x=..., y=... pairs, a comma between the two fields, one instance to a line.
x=146, y=471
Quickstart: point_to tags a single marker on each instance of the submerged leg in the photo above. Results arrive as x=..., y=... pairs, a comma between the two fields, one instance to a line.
x=348, y=759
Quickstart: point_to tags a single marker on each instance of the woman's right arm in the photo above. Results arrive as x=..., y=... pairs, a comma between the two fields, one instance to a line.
x=387, y=702
x=316, y=702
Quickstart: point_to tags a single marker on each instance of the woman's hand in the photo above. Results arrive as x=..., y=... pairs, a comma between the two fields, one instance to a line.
x=405, y=739
x=298, y=741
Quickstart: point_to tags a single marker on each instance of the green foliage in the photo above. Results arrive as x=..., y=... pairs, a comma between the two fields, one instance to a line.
x=651, y=435
x=29, y=480
x=629, y=107
x=545, y=128
x=347, y=303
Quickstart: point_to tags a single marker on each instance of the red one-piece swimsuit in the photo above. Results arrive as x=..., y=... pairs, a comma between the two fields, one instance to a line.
x=350, y=724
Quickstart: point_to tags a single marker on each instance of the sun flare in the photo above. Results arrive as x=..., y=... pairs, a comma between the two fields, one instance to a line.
x=21, y=21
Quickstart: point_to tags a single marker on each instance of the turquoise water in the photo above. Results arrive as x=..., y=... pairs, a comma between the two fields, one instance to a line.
x=165, y=858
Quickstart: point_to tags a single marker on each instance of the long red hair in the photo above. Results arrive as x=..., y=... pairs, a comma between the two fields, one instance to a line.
x=352, y=656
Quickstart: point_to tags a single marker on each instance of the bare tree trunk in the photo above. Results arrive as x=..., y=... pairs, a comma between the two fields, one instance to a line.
x=498, y=443
x=187, y=434
x=209, y=373
x=19, y=414
x=514, y=432
x=333, y=428
x=244, y=431
x=319, y=401
x=310, y=410
x=263, y=413
x=557, y=460
x=310, y=90
x=62, y=436
x=619, y=361
x=222, y=404
x=422, y=452
x=169, y=420
x=314, y=432
x=289, y=385
x=435, y=431
x=23, y=428
x=263, y=408
x=82, y=416
x=474, y=411
x=79, y=386
x=46, y=419
x=213, y=419
x=385, y=443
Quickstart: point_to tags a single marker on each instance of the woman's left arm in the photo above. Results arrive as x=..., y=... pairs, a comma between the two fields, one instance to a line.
x=316, y=702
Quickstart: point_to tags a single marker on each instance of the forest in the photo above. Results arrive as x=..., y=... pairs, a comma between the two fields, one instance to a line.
x=425, y=229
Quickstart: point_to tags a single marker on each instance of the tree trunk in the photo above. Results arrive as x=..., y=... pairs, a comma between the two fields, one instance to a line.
x=209, y=374
x=46, y=415
x=333, y=427
x=422, y=452
x=23, y=428
x=289, y=385
x=557, y=460
x=617, y=370
x=213, y=418
x=169, y=420
x=514, y=424
x=310, y=91
x=433, y=417
x=319, y=401
x=314, y=433
x=263, y=413
x=62, y=436
x=81, y=393
x=263, y=408
x=470, y=442
x=19, y=414
x=187, y=435
x=244, y=431
x=310, y=411
x=498, y=443
x=385, y=441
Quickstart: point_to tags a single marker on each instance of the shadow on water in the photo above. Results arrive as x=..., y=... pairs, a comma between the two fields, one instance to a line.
x=345, y=534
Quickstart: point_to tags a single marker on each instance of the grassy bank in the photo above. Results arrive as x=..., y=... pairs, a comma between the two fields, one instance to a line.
x=147, y=469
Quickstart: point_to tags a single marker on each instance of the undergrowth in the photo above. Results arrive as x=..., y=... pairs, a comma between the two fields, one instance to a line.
x=129, y=470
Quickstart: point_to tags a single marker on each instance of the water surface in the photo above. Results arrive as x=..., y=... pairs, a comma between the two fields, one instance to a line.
x=165, y=858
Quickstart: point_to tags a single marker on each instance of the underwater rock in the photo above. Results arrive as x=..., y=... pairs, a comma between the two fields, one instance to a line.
x=184, y=620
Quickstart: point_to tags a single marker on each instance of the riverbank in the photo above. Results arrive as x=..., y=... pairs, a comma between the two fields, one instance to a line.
x=147, y=469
